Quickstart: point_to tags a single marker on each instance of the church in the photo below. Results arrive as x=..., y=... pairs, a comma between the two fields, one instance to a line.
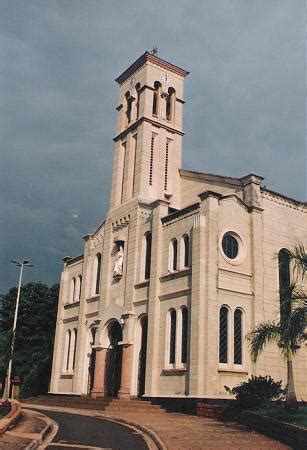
x=182, y=267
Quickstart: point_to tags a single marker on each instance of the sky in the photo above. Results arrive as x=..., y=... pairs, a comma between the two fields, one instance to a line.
x=244, y=108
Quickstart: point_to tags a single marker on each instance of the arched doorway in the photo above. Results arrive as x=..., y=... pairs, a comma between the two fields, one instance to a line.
x=142, y=357
x=113, y=360
x=91, y=365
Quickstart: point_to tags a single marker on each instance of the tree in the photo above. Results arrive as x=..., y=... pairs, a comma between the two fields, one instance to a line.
x=32, y=357
x=288, y=331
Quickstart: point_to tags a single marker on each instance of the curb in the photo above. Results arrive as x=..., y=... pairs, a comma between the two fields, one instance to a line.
x=11, y=418
x=159, y=444
x=50, y=426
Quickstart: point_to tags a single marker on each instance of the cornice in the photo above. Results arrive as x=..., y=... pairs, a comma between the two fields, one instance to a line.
x=148, y=57
x=146, y=119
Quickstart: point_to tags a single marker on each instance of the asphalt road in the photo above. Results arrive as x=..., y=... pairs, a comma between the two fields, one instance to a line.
x=78, y=432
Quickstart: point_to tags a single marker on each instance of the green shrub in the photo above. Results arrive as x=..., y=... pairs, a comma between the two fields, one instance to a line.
x=257, y=392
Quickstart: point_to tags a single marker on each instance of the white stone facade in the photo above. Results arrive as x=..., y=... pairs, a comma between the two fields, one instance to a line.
x=159, y=258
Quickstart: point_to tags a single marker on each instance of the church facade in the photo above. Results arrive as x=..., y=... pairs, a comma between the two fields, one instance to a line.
x=182, y=267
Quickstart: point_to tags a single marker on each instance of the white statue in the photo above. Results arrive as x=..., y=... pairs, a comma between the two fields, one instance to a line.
x=118, y=265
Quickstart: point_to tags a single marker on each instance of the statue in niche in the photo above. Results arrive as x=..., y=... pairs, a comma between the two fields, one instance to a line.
x=118, y=265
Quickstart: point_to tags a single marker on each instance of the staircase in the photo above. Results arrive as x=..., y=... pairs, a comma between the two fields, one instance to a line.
x=109, y=405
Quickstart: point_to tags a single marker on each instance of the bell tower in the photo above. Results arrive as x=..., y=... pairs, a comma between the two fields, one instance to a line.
x=149, y=132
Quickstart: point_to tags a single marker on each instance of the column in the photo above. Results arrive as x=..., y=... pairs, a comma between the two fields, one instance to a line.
x=99, y=374
x=125, y=384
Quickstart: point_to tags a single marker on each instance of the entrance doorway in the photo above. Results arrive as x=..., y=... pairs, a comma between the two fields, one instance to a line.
x=142, y=357
x=113, y=361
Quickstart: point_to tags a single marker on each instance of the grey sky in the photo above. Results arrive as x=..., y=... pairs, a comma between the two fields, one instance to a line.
x=244, y=110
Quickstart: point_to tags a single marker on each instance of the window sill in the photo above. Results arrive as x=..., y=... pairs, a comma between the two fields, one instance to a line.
x=93, y=299
x=71, y=305
x=142, y=284
x=176, y=274
x=232, y=370
x=174, y=372
x=67, y=376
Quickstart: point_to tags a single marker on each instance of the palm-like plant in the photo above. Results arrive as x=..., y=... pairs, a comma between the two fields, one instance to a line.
x=289, y=331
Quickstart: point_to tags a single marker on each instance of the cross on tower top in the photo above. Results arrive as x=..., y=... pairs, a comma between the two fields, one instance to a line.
x=154, y=51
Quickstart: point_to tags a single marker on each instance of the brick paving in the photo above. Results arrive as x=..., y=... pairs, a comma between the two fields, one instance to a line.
x=183, y=432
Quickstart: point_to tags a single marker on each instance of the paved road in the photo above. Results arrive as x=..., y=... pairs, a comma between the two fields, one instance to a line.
x=80, y=432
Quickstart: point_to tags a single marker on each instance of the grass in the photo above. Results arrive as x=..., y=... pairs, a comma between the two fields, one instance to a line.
x=296, y=417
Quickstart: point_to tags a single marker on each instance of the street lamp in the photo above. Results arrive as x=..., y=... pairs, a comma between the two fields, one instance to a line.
x=6, y=392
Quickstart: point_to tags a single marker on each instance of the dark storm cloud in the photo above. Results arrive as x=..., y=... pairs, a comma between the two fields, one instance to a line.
x=244, y=110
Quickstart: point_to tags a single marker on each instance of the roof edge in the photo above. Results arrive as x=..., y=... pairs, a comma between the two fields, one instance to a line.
x=155, y=60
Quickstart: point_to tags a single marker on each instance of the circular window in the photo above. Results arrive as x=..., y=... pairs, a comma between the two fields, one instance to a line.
x=230, y=246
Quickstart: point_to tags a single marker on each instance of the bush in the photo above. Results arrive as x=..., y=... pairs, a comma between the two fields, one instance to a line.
x=257, y=392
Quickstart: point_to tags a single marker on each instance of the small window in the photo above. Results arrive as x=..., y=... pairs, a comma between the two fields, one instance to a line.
x=237, y=338
x=186, y=251
x=230, y=246
x=80, y=287
x=173, y=255
x=98, y=269
x=74, y=348
x=156, y=98
x=284, y=269
x=67, y=348
x=147, y=255
x=72, y=290
x=223, y=340
x=172, y=338
x=184, y=336
x=169, y=107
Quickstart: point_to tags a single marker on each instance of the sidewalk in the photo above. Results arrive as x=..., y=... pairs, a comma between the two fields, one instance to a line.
x=28, y=432
x=183, y=432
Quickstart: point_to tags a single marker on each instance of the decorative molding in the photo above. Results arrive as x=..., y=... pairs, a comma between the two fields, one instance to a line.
x=283, y=200
x=71, y=305
x=92, y=314
x=120, y=223
x=236, y=371
x=71, y=319
x=138, y=122
x=145, y=214
x=235, y=273
x=180, y=214
x=141, y=285
x=75, y=260
x=93, y=299
x=141, y=302
x=177, y=274
x=233, y=291
x=174, y=372
x=172, y=295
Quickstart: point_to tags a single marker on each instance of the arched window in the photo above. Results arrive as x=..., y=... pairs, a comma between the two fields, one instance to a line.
x=156, y=98
x=172, y=337
x=74, y=347
x=173, y=255
x=237, y=337
x=97, y=268
x=170, y=104
x=223, y=338
x=137, y=88
x=80, y=286
x=185, y=250
x=72, y=290
x=284, y=269
x=184, y=334
x=147, y=255
x=129, y=100
x=67, y=350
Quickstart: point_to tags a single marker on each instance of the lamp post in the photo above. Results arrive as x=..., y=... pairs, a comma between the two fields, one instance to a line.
x=6, y=392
